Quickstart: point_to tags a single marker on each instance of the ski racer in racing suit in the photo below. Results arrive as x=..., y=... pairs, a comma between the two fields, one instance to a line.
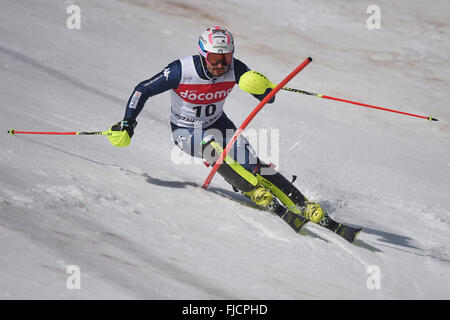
x=198, y=87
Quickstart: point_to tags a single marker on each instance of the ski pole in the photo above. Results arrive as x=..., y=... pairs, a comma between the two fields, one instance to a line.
x=250, y=117
x=103, y=133
x=357, y=103
x=117, y=138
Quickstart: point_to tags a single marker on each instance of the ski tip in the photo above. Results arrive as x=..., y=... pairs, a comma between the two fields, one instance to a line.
x=11, y=132
x=310, y=59
x=432, y=119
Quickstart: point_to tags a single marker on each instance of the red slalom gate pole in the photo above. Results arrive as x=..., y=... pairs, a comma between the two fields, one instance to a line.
x=250, y=117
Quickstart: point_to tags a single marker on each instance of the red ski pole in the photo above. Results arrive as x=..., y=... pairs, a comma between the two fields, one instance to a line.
x=250, y=117
x=13, y=132
x=358, y=103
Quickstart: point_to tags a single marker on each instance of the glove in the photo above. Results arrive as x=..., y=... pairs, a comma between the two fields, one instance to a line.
x=260, y=97
x=121, y=132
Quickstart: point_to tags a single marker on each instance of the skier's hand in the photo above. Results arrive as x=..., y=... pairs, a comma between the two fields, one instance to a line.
x=127, y=125
x=121, y=132
x=260, y=97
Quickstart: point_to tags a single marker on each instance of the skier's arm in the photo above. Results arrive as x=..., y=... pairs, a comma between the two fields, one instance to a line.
x=167, y=79
x=239, y=69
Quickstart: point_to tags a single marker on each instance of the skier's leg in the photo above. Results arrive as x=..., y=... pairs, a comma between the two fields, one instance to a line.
x=239, y=163
x=235, y=174
x=249, y=175
x=208, y=144
x=257, y=182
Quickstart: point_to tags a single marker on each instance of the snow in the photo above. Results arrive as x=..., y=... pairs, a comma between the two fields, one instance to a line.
x=140, y=227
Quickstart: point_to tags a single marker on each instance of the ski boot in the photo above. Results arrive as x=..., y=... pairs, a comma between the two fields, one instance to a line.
x=313, y=212
x=260, y=196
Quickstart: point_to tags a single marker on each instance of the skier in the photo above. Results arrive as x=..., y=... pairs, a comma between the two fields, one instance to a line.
x=199, y=85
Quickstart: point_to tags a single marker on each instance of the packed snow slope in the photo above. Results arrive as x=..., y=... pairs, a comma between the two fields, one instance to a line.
x=136, y=221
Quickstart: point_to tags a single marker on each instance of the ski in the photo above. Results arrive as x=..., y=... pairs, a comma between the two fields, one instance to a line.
x=294, y=220
x=347, y=232
x=297, y=221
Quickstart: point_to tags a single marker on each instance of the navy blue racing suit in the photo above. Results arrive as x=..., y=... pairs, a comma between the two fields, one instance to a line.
x=169, y=78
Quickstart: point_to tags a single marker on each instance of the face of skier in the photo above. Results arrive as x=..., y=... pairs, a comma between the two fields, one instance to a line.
x=217, y=71
x=217, y=64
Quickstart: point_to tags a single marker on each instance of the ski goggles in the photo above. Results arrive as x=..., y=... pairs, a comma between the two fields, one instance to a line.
x=214, y=59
